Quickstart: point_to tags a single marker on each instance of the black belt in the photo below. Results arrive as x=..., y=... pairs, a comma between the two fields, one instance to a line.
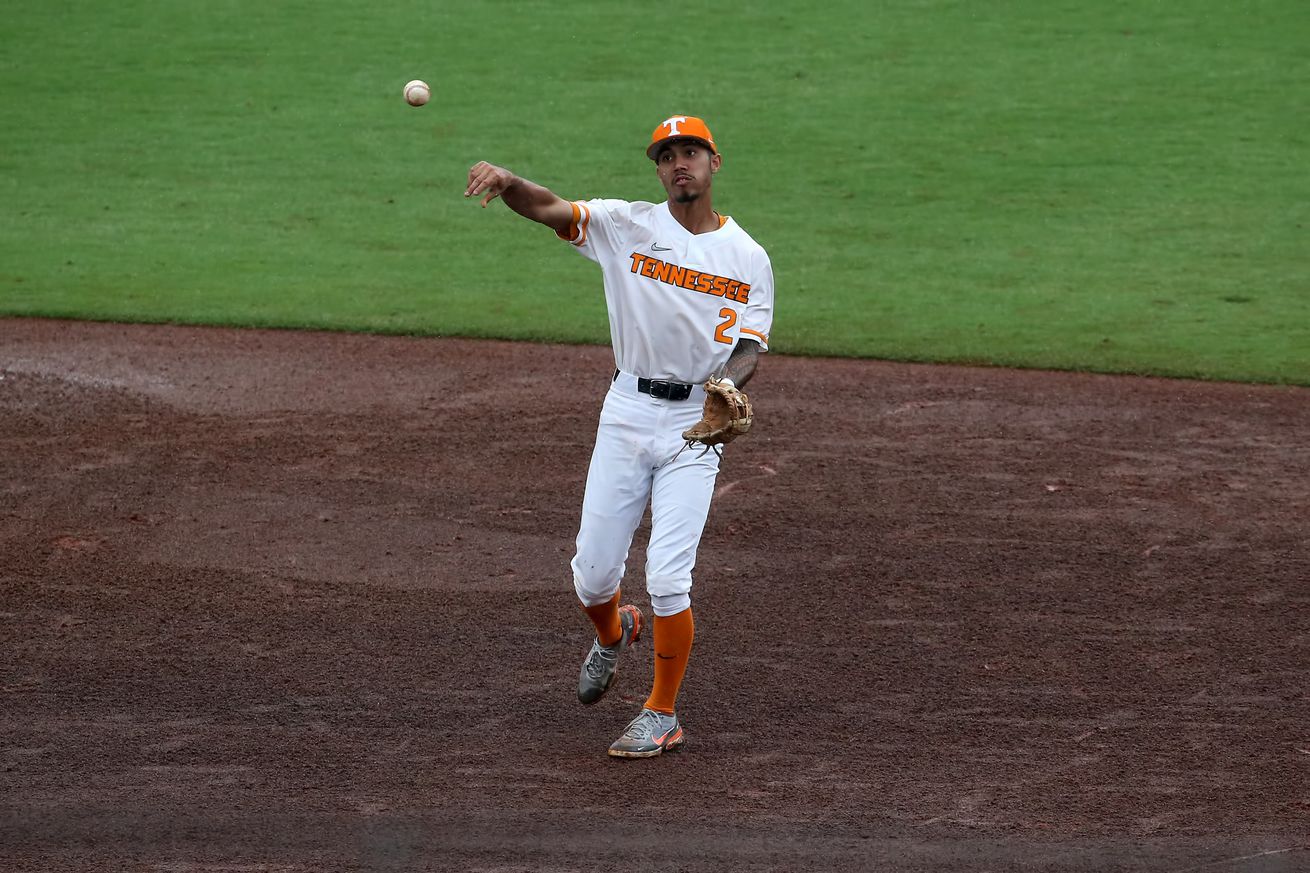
x=661, y=389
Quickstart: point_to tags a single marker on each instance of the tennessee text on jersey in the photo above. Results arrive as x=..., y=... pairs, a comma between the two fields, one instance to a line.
x=666, y=334
x=692, y=280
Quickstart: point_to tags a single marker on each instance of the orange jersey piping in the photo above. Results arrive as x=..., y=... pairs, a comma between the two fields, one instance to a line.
x=577, y=232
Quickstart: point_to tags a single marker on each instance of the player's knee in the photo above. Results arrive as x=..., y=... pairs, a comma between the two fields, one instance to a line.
x=592, y=596
x=670, y=604
x=594, y=585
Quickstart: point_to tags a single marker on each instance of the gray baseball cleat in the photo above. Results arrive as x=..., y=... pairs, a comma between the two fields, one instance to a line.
x=598, y=670
x=649, y=734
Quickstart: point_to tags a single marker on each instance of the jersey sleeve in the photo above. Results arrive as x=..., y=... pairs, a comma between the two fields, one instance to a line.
x=757, y=319
x=598, y=228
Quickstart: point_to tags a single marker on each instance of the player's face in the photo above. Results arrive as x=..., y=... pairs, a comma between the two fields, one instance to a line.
x=685, y=168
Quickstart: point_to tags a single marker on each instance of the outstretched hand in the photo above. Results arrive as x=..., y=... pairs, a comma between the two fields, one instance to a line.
x=489, y=179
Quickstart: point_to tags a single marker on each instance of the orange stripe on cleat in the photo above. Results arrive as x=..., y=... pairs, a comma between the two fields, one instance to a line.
x=636, y=621
x=670, y=737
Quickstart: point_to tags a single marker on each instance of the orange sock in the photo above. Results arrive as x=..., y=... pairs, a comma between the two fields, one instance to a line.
x=673, y=636
x=605, y=616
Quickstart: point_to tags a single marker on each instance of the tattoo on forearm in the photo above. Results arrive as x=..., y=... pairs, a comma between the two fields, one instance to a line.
x=741, y=364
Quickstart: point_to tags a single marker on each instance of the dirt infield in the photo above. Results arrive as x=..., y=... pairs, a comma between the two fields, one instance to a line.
x=301, y=601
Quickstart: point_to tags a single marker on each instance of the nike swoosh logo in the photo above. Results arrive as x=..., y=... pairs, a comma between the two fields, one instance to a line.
x=659, y=248
x=675, y=732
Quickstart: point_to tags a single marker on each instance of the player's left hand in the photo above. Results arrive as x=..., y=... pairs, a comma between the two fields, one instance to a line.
x=727, y=415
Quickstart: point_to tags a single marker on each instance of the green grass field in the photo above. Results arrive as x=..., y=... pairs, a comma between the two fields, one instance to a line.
x=1118, y=186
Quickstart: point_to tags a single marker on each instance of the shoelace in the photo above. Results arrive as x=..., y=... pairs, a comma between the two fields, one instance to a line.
x=644, y=727
x=599, y=655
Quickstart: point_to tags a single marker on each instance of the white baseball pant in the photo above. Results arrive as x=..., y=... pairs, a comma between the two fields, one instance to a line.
x=639, y=458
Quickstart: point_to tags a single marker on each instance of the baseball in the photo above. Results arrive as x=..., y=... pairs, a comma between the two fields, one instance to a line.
x=417, y=92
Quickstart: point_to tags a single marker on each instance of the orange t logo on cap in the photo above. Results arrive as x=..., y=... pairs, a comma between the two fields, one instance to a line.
x=680, y=127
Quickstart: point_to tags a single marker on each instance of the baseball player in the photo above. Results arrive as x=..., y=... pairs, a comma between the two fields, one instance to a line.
x=690, y=300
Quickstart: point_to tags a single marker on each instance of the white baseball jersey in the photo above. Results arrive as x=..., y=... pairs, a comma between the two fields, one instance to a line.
x=678, y=301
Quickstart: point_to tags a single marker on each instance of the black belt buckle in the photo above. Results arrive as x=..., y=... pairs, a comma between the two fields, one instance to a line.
x=664, y=390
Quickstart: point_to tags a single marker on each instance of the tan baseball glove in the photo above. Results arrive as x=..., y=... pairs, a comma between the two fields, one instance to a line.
x=727, y=415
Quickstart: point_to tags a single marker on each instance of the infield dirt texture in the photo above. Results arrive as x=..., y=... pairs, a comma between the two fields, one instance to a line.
x=301, y=602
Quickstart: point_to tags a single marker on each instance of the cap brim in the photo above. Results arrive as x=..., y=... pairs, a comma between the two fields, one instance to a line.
x=655, y=147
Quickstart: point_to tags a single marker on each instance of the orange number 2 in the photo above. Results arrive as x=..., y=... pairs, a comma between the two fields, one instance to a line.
x=729, y=317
